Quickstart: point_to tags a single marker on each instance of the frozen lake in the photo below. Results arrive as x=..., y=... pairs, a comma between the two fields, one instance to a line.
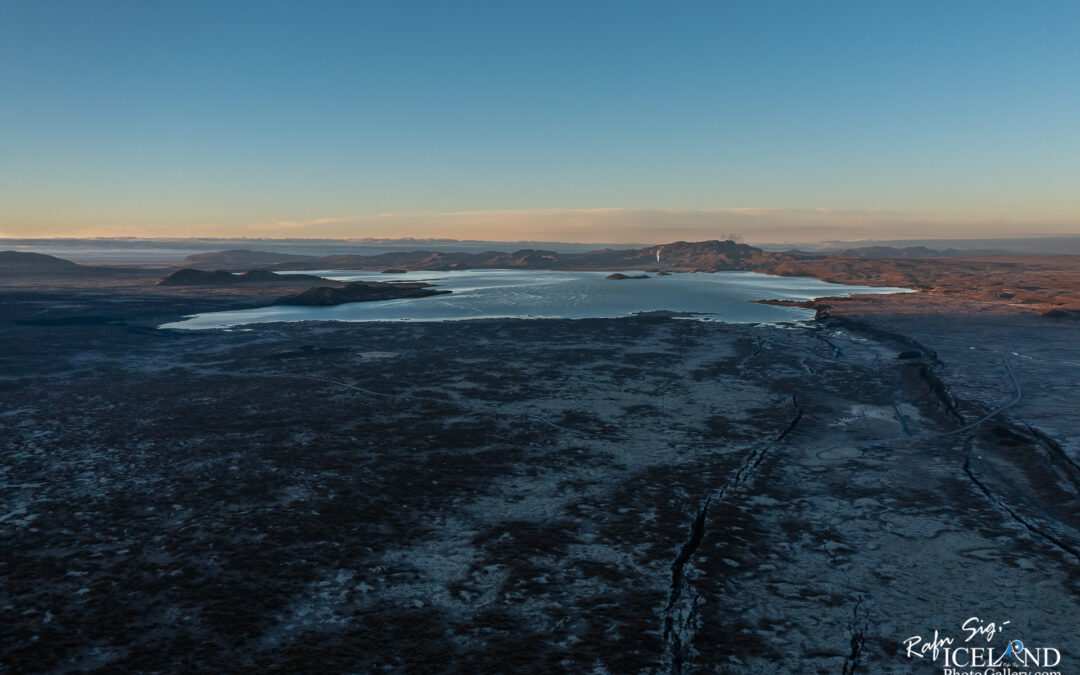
x=542, y=294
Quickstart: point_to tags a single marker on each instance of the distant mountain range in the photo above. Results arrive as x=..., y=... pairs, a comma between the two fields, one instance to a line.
x=680, y=256
x=30, y=261
x=241, y=258
x=131, y=250
x=705, y=255
x=163, y=251
x=1046, y=245
x=894, y=252
x=915, y=252
x=195, y=277
x=25, y=263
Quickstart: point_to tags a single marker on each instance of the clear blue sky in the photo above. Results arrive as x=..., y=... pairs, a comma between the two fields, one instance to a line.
x=296, y=119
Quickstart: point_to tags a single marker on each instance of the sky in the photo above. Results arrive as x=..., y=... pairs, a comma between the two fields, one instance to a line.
x=574, y=121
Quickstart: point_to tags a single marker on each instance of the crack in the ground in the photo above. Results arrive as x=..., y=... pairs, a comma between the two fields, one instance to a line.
x=927, y=371
x=857, y=629
x=681, y=611
x=1030, y=526
x=1057, y=455
x=836, y=351
x=678, y=569
x=759, y=346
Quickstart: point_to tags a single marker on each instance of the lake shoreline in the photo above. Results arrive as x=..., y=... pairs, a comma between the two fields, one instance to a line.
x=534, y=294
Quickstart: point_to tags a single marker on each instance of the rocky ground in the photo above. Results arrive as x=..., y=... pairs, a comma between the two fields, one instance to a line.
x=1052, y=281
x=613, y=496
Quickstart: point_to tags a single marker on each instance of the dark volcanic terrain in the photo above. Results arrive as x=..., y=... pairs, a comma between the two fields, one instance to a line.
x=631, y=495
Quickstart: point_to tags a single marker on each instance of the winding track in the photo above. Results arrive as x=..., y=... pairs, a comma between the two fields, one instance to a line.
x=996, y=411
x=941, y=434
